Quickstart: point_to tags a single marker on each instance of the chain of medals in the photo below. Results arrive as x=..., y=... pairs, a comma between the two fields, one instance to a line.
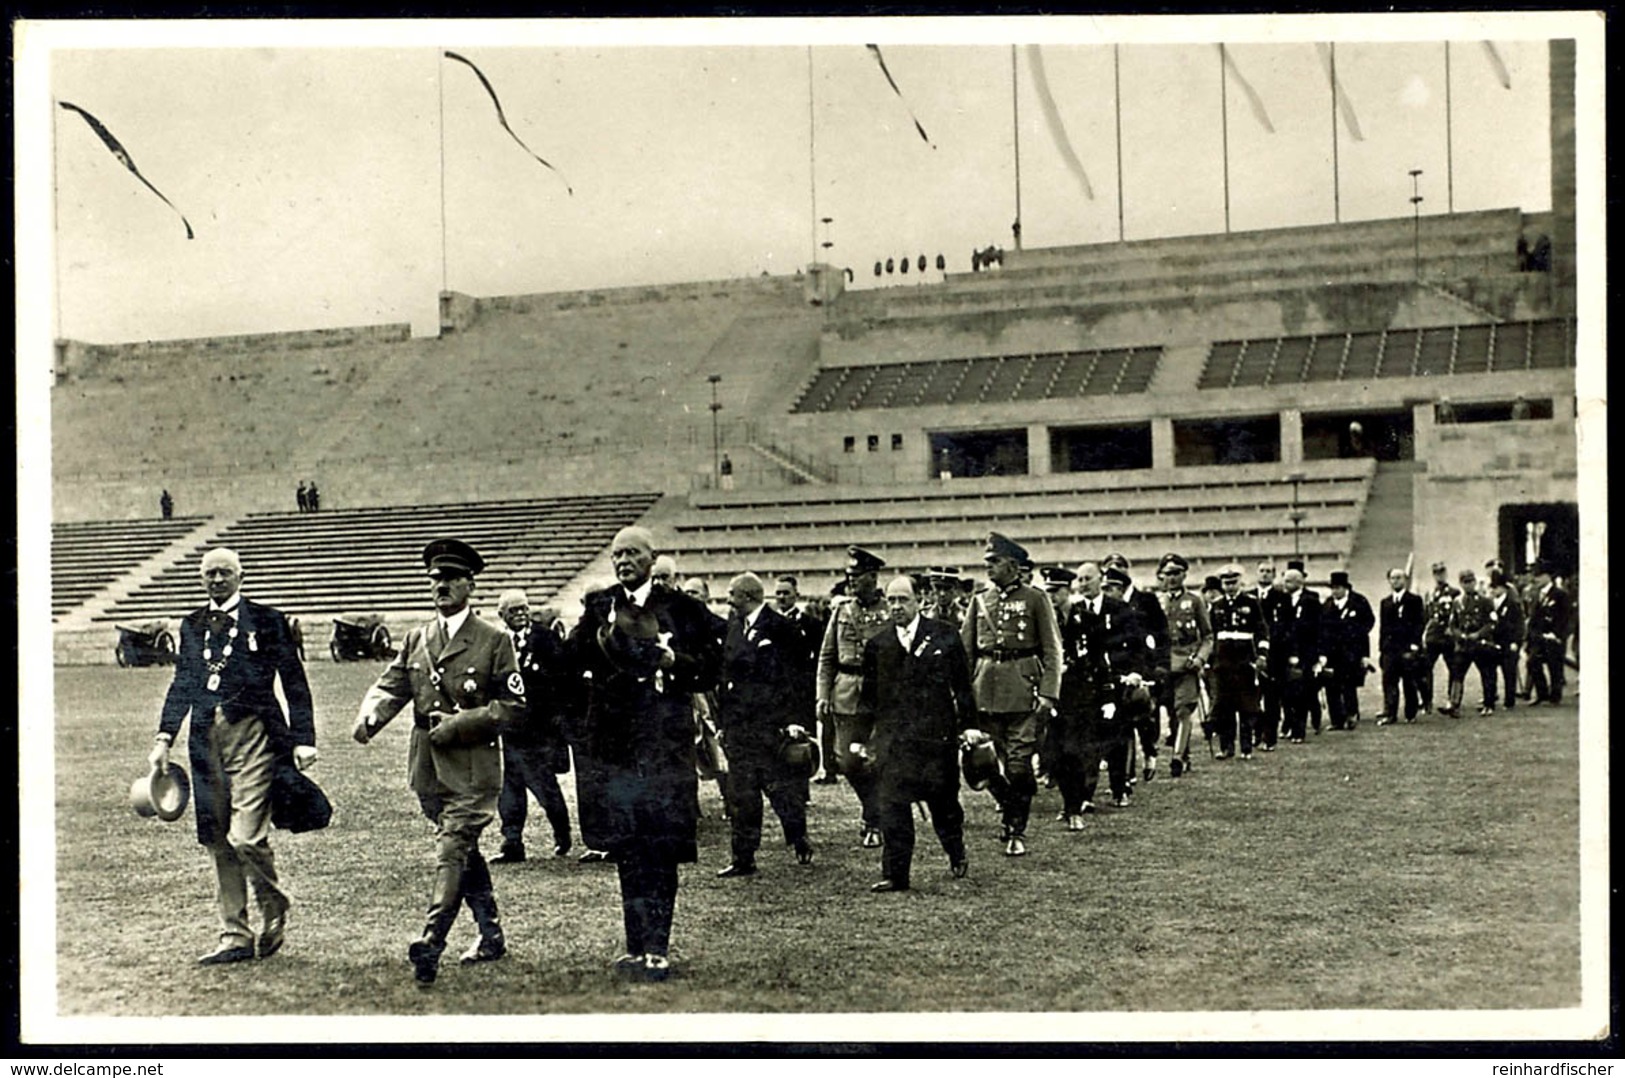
x=215, y=666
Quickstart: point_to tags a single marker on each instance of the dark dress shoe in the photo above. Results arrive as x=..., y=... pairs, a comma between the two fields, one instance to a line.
x=888, y=885
x=738, y=868
x=274, y=932
x=512, y=853
x=223, y=954
x=804, y=852
x=656, y=967
x=425, y=958
x=593, y=857
x=960, y=868
x=485, y=949
x=561, y=847
x=629, y=966
x=826, y=780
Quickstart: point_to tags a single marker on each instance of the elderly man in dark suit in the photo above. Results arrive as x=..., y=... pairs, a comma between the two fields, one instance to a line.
x=462, y=679
x=643, y=652
x=1550, y=617
x=1346, y=621
x=1402, y=617
x=916, y=699
x=534, y=749
x=232, y=652
x=1296, y=657
x=761, y=698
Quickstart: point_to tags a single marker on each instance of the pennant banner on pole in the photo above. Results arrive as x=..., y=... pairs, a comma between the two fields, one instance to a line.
x=1052, y=118
x=1254, y=102
x=1502, y=76
x=1344, y=105
x=123, y=155
x=881, y=60
x=502, y=117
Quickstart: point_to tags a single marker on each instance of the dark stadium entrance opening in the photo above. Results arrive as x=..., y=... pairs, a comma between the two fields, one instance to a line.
x=1382, y=434
x=1548, y=531
x=1100, y=449
x=1498, y=411
x=972, y=454
x=1239, y=440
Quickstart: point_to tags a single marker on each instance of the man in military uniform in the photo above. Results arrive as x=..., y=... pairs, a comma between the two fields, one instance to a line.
x=1506, y=638
x=1270, y=597
x=1014, y=646
x=1436, y=641
x=1140, y=709
x=1470, y=637
x=1550, y=613
x=1399, y=648
x=463, y=682
x=1295, y=654
x=534, y=750
x=1241, y=647
x=1190, y=642
x=1345, y=640
x=856, y=617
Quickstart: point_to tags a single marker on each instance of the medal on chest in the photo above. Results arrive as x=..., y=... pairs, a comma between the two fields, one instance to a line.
x=216, y=666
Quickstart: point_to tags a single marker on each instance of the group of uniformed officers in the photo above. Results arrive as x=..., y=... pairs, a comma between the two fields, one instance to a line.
x=909, y=686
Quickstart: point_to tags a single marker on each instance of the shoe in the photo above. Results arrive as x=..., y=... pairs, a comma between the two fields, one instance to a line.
x=1385, y=720
x=1088, y=807
x=628, y=965
x=871, y=838
x=1297, y=740
x=1150, y=771
x=959, y=868
x=562, y=846
x=274, y=932
x=1410, y=720
x=1266, y=748
x=826, y=780
x=425, y=958
x=1015, y=847
x=1061, y=817
x=484, y=949
x=1075, y=823
x=511, y=854
x=226, y=954
x=804, y=852
x=1121, y=801
x=1245, y=756
x=887, y=885
x=1176, y=768
x=738, y=868
x=1221, y=755
x=656, y=967
x=593, y=857
x=1486, y=710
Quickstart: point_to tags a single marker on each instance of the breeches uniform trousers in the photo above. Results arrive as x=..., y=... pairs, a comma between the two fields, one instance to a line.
x=1015, y=735
x=460, y=872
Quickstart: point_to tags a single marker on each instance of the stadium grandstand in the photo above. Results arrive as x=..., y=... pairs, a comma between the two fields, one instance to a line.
x=1345, y=393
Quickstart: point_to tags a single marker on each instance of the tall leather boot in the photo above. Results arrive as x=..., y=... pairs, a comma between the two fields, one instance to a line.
x=1455, y=690
x=490, y=944
x=424, y=952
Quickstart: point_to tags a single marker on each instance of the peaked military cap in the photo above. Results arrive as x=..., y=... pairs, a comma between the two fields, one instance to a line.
x=1114, y=560
x=452, y=557
x=860, y=561
x=1173, y=561
x=1439, y=567
x=1058, y=576
x=1000, y=547
x=1229, y=571
x=1340, y=578
x=1114, y=575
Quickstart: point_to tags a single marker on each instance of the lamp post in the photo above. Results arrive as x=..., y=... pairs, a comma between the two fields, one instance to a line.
x=1416, y=213
x=1296, y=516
x=716, y=434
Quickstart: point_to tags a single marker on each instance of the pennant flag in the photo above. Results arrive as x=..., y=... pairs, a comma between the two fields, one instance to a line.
x=1502, y=76
x=1052, y=118
x=1254, y=102
x=123, y=155
x=881, y=60
x=1344, y=105
x=502, y=117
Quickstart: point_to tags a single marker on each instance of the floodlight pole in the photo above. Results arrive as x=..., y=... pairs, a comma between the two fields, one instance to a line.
x=716, y=435
x=1416, y=211
x=1296, y=516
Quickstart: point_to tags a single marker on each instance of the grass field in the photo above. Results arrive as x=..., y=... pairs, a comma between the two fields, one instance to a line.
x=1431, y=866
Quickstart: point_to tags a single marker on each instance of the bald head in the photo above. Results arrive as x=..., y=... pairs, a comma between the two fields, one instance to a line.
x=1088, y=582
x=632, y=555
x=222, y=573
x=745, y=593
x=901, y=601
x=664, y=571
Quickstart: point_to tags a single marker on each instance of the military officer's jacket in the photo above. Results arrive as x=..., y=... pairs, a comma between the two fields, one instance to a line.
x=1241, y=635
x=840, y=657
x=1014, y=646
x=1190, y=634
x=1439, y=604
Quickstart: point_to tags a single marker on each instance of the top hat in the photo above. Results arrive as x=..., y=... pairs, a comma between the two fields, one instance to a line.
x=163, y=794
x=1340, y=578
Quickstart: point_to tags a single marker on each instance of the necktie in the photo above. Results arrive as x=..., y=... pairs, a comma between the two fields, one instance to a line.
x=219, y=621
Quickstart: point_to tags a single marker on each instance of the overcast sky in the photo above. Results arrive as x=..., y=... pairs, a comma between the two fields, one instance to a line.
x=311, y=167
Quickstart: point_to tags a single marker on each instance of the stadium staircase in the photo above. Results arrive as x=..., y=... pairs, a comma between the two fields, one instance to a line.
x=1384, y=538
x=96, y=564
x=1209, y=514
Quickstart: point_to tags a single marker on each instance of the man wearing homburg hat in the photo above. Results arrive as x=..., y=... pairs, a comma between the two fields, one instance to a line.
x=1014, y=646
x=1550, y=614
x=1345, y=640
x=1139, y=708
x=1295, y=655
x=643, y=652
x=462, y=679
x=1506, y=638
x=232, y=652
x=1190, y=642
x=855, y=618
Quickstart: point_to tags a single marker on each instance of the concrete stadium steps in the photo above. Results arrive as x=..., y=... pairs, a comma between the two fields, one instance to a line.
x=1384, y=538
x=1542, y=344
x=88, y=556
x=368, y=559
x=1209, y=514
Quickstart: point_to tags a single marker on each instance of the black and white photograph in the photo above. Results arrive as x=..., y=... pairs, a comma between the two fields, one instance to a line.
x=816, y=532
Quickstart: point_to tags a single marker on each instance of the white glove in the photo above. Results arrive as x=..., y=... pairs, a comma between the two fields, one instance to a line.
x=304, y=756
x=1108, y=710
x=158, y=758
x=795, y=732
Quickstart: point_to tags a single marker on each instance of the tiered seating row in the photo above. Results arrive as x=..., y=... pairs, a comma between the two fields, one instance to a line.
x=1544, y=344
x=981, y=380
x=87, y=556
x=366, y=560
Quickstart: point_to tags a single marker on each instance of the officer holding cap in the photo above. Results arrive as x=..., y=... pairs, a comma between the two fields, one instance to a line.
x=462, y=679
x=1241, y=646
x=1014, y=646
x=854, y=619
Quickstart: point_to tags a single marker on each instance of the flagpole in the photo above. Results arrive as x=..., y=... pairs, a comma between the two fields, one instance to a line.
x=812, y=161
x=440, y=86
x=1337, y=204
x=1224, y=128
x=56, y=228
x=1117, y=108
x=1015, y=127
x=1449, y=155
